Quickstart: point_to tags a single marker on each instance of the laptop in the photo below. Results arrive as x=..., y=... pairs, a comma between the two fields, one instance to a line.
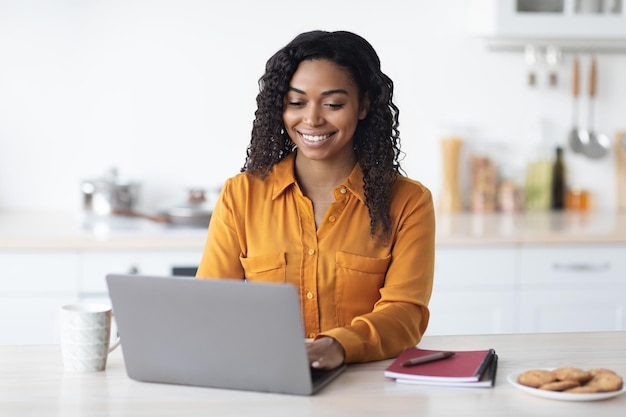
x=214, y=333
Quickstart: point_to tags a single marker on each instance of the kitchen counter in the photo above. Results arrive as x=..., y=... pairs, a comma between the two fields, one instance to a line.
x=33, y=383
x=531, y=228
x=71, y=231
x=79, y=231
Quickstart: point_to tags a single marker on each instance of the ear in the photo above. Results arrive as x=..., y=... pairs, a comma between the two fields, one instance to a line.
x=364, y=106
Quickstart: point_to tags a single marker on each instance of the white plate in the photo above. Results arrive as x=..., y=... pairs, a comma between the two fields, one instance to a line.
x=562, y=396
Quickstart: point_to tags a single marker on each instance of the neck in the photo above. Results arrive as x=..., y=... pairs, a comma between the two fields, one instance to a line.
x=313, y=175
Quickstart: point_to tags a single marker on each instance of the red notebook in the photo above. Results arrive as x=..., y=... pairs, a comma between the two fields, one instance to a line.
x=464, y=366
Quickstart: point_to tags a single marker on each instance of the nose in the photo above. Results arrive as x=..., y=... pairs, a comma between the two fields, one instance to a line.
x=313, y=116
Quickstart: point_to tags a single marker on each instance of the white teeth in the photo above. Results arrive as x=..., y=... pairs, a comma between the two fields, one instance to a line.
x=311, y=138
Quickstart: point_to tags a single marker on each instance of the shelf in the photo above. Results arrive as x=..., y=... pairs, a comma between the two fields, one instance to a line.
x=572, y=25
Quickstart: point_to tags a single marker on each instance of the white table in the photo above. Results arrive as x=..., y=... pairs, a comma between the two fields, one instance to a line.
x=32, y=383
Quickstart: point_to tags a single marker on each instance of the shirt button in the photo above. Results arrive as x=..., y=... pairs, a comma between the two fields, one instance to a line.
x=343, y=191
x=311, y=251
x=309, y=295
x=332, y=219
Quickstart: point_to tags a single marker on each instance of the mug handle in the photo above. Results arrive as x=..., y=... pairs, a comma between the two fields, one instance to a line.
x=116, y=342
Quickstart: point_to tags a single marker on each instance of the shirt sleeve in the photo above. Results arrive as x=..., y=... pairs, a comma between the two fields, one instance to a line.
x=400, y=317
x=223, y=244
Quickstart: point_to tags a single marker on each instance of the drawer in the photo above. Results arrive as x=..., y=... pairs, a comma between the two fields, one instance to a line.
x=572, y=310
x=472, y=312
x=39, y=271
x=97, y=264
x=576, y=265
x=473, y=267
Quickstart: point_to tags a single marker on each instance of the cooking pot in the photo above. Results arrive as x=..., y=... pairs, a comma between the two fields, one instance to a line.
x=195, y=212
x=109, y=194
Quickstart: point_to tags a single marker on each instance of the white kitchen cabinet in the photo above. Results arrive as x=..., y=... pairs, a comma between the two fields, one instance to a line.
x=38, y=271
x=95, y=265
x=564, y=310
x=477, y=311
x=33, y=286
x=572, y=288
x=529, y=288
x=474, y=291
x=586, y=22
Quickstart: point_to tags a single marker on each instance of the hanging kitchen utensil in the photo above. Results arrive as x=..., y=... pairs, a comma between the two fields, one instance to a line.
x=577, y=138
x=553, y=59
x=599, y=144
x=530, y=56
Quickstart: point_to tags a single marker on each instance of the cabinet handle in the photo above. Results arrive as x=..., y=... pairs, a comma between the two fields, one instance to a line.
x=582, y=267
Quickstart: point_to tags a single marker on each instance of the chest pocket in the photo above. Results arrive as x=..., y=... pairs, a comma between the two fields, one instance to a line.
x=266, y=268
x=359, y=280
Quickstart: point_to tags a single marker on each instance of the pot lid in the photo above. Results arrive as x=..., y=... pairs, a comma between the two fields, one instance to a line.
x=195, y=206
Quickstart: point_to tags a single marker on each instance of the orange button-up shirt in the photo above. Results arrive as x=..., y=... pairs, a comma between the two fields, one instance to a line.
x=371, y=297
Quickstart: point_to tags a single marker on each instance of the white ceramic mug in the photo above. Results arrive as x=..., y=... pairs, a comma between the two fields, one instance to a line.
x=86, y=336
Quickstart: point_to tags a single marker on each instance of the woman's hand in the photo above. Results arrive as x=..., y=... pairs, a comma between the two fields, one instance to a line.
x=325, y=353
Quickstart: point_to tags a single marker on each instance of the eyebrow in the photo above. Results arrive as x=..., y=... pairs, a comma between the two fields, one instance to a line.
x=324, y=93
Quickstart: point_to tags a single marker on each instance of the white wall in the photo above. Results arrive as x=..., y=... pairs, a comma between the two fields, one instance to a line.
x=165, y=90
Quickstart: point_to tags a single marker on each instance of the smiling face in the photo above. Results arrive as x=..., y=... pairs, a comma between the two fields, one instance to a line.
x=322, y=109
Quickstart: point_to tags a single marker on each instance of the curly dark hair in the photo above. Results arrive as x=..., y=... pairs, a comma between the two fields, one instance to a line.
x=376, y=139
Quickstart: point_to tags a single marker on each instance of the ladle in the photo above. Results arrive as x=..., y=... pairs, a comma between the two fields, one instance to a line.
x=599, y=143
x=578, y=138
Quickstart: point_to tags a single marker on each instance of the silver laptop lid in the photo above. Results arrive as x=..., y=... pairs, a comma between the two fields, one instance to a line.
x=213, y=333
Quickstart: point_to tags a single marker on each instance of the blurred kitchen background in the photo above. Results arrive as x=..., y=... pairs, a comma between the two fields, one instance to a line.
x=164, y=91
x=145, y=107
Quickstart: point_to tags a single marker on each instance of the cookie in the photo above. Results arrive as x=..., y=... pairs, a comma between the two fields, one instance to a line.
x=596, y=371
x=535, y=378
x=572, y=374
x=559, y=385
x=583, y=389
x=605, y=382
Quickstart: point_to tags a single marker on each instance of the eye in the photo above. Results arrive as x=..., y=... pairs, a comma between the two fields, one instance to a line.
x=295, y=103
x=334, y=106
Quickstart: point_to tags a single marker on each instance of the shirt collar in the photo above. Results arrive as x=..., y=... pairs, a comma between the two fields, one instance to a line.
x=284, y=176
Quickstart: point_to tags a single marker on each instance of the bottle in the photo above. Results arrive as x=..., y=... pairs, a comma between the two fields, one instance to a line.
x=539, y=170
x=450, y=200
x=558, y=181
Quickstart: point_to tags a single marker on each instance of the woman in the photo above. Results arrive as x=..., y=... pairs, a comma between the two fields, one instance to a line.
x=321, y=203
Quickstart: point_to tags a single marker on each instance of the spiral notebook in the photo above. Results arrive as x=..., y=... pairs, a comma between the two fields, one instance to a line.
x=473, y=368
